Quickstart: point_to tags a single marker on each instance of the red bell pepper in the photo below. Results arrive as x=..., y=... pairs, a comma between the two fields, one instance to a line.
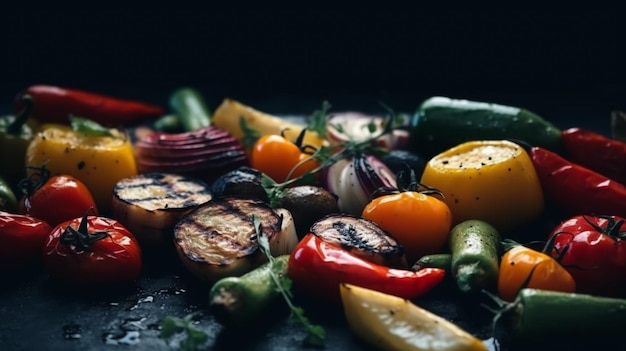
x=577, y=190
x=55, y=104
x=597, y=152
x=317, y=268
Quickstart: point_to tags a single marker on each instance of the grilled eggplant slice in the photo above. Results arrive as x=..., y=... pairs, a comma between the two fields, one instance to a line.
x=218, y=239
x=362, y=237
x=150, y=204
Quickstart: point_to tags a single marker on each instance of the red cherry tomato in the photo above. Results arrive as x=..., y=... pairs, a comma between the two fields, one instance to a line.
x=592, y=249
x=92, y=251
x=22, y=239
x=56, y=199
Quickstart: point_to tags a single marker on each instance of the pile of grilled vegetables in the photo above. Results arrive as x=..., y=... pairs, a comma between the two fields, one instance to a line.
x=364, y=212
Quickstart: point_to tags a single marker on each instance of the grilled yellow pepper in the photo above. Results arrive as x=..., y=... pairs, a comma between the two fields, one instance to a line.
x=229, y=114
x=494, y=181
x=99, y=157
x=389, y=322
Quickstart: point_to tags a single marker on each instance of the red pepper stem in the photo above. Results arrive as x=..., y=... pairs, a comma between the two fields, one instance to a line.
x=15, y=127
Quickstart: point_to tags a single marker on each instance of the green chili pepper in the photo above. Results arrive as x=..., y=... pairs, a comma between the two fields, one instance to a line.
x=190, y=108
x=15, y=135
x=441, y=123
x=8, y=201
x=538, y=314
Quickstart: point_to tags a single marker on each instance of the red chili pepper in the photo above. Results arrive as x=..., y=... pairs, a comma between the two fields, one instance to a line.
x=317, y=268
x=577, y=190
x=595, y=151
x=55, y=105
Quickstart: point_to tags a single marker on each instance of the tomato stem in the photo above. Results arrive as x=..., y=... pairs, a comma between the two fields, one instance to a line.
x=612, y=228
x=29, y=185
x=81, y=238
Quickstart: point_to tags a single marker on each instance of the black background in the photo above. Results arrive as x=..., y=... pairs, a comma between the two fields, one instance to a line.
x=289, y=58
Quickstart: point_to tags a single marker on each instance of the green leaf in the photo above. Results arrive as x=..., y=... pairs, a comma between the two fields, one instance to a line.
x=319, y=119
x=89, y=127
x=194, y=336
x=198, y=335
x=250, y=135
x=275, y=192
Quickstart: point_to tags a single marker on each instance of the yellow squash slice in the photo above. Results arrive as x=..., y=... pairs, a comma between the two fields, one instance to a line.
x=388, y=322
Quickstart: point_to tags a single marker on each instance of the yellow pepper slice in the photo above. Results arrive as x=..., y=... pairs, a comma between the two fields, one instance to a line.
x=490, y=180
x=389, y=322
x=228, y=114
x=97, y=161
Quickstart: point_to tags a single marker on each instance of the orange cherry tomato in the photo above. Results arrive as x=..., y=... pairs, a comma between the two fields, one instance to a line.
x=280, y=158
x=523, y=267
x=420, y=222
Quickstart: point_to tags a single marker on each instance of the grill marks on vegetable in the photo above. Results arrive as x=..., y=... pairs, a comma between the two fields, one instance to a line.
x=362, y=238
x=160, y=191
x=236, y=215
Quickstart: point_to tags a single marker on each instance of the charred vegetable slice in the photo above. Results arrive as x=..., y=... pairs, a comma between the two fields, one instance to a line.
x=389, y=322
x=218, y=239
x=151, y=204
x=362, y=238
x=241, y=182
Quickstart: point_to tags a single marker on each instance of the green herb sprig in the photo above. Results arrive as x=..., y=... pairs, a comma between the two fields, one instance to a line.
x=194, y=336
x=316, y=334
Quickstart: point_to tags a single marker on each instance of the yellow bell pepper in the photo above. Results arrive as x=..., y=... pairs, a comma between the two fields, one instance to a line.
x=388, y=322
x=99, y=161
x=490, y=180
x=228, y=114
